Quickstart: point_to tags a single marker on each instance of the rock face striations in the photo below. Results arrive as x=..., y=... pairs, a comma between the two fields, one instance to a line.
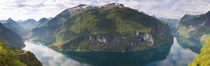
x=109, y=28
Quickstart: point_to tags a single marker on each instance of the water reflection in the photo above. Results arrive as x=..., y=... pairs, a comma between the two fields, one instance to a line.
x=49, y=57
x=178, y=56
x=191, y=44
x=121, y=59
x=168, y=55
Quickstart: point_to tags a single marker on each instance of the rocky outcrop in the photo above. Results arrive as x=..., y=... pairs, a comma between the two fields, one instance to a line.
x=111, y=5
x=29, y=59
x=162, y=34
x=111, y=43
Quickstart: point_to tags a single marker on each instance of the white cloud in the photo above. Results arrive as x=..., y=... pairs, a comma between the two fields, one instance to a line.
x=169, y=8
x=24, y=9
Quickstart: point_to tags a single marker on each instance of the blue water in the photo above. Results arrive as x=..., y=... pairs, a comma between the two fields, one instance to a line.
x=178, y=56
x=169, y=55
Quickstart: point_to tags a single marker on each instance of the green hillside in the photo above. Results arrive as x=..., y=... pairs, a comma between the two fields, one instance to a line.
x=11, y=38
x=16, y=57
x=106, y=28
x=203, y=59
x=195, y=26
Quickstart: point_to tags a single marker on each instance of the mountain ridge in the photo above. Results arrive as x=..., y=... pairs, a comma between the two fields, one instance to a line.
x=10, y=38
x=111, y=27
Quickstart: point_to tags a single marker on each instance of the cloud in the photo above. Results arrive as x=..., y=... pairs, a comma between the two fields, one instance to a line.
x=24, y=9
x=169, y=8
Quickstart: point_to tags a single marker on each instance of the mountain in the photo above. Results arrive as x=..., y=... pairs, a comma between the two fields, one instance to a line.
x=16, y=57
x=10, y=53
x=28, y=24
x=112, y=28
x=171, y=23
x=42, y=21
x=2, y=21
x=193, y=30
x=10, y=38
x=14, y=26
x=195, y=26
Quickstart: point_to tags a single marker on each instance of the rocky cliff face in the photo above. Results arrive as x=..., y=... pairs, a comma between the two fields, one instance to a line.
x=112, y=28
x=162, y=34
x=115, y=43
x=110, y=43
x=29, y=59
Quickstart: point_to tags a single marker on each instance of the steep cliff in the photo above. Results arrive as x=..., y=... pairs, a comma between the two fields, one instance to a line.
x=195, y=26
x=10, y=38
x=14, y=26
x=193, y=30
x=112, y=28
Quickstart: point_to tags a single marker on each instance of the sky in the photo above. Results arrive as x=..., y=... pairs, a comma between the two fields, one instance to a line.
x=36, y=9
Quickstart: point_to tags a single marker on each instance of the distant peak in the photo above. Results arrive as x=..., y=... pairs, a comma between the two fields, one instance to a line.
x=43, y=20
x=80, y=6
x=10, y=20
x=30, y=20
x=208, y=13
x=187, y=15
x=114, y=5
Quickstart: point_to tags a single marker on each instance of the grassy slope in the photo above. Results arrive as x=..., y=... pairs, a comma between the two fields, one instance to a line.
x=203, y=59
x=9, y=56
x=194, y=26
x=16, y=57
x=123, y=22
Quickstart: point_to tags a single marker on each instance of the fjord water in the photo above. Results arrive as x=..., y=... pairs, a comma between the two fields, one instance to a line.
x=168, y=55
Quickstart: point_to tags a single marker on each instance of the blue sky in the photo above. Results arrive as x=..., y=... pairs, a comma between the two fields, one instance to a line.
x=36, y=9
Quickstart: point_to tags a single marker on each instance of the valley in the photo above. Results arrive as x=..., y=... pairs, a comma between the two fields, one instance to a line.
x=107, y=35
